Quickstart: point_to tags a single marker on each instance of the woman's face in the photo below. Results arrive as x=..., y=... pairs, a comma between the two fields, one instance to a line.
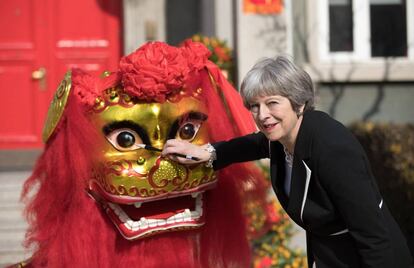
x=276, y=118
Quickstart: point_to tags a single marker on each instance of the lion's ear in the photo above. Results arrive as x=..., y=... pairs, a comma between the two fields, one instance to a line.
x=57, y=106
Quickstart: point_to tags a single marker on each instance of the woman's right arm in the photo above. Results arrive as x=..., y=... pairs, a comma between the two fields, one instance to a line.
x=246, y=148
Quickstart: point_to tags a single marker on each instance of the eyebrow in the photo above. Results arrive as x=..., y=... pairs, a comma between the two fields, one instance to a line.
x=108, y=128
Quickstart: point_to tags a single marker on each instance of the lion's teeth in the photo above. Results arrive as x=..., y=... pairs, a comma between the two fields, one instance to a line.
x=144, y=223
x=187, y=215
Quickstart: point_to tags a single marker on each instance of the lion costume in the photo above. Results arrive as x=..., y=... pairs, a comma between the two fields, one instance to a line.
x=102, y=194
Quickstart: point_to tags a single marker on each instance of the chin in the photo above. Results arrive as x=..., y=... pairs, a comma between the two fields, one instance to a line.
x=272, y=136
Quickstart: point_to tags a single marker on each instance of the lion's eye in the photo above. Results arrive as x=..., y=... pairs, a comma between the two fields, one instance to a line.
x=124, y=139
x=188, y=130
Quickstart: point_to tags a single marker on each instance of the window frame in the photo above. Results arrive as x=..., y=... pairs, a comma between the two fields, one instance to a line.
x=357, y=65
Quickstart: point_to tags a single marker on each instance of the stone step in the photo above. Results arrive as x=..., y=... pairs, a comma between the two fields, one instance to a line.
x=12, y=224
x=10, y=195
x=14, y=177
x=11, y=248
x=18, y=159
x=12, y=218
x=12, y=257
x=11, y=240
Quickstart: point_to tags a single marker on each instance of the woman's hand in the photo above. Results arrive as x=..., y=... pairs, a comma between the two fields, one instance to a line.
x=174, y=147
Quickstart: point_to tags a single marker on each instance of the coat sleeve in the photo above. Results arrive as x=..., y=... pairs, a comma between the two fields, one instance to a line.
x=345, y=173
x=246, y=148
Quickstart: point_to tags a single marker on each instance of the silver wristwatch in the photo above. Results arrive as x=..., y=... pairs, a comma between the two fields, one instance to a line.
x=213, y=156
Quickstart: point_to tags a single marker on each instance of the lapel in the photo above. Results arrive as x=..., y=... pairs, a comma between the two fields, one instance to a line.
x=301, y=172
x=301, y=176
x=277, y=169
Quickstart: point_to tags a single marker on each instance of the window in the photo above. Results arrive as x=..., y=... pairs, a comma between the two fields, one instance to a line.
x=366, y=33
x=365, y=29
x=388, y=27
x=340, y=26
x=183, y=20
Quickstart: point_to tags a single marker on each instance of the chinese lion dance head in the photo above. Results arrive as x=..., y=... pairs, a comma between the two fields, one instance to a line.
x=104, y=196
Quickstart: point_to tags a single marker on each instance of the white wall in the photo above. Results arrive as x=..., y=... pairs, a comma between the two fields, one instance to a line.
x=261, y=36
x=143, y=20
x=223, y=16
x=394, y=102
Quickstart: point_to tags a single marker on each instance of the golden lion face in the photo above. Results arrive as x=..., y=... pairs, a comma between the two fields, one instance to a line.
x=142, y=192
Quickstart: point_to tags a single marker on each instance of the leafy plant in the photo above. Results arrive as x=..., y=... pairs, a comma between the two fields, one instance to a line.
x=390, y=149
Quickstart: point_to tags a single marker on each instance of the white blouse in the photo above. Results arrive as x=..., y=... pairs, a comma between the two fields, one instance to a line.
x=288, y=169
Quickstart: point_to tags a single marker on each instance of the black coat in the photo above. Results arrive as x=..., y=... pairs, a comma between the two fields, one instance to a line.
x=333, y=195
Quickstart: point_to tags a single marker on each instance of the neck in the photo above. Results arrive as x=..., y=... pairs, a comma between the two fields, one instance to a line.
x=289, y=141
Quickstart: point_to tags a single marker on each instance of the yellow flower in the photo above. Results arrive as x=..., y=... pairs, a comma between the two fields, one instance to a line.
x=395, y=148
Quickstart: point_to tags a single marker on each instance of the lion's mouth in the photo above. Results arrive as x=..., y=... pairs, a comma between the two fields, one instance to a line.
x=185, y=212
x=149, y=218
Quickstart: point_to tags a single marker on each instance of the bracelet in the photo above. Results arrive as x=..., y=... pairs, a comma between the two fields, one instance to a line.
x=213, y=156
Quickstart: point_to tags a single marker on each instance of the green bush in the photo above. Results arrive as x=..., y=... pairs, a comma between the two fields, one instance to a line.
x=390, y=149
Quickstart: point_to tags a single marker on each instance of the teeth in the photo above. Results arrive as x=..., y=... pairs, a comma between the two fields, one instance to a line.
x=144, y=223
x=171, y=220
x=162, y=222
x=178, y=217
x=187, y=215
x=130, y=223
x=152, y=223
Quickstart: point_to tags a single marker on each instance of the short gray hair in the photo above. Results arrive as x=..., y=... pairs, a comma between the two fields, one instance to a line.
x=279, y=76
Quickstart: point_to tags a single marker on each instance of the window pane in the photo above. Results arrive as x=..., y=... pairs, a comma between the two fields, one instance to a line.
x=183, y=20
x=340, y=26
x=388, y=28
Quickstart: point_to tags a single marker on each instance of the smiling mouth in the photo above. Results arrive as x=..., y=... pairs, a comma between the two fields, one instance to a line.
x=268, y=127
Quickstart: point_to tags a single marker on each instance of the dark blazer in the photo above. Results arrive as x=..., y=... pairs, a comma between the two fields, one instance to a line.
x=333, y=195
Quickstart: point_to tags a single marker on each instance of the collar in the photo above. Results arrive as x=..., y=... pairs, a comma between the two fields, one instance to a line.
x=304, y=139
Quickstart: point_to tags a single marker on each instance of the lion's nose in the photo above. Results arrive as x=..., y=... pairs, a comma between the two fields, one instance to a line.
x=167, y=174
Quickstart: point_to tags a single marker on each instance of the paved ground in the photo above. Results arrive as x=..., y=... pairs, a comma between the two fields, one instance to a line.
x=13, y=226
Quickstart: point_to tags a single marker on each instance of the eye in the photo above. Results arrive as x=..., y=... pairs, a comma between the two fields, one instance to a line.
x=272, y=103
x=254, y=108
x=124, y=139
x=188, y=130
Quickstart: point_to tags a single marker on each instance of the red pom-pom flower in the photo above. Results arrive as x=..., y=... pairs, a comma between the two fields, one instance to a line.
x=157, y=72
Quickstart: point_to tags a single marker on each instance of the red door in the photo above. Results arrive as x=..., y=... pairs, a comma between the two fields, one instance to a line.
x=39, y=41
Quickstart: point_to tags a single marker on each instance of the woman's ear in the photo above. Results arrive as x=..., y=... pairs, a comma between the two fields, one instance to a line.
x=301, y=110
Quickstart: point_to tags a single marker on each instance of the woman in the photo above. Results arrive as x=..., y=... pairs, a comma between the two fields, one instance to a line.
x=319, y=171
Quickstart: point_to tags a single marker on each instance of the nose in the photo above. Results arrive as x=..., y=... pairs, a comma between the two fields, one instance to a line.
x=263, y=112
